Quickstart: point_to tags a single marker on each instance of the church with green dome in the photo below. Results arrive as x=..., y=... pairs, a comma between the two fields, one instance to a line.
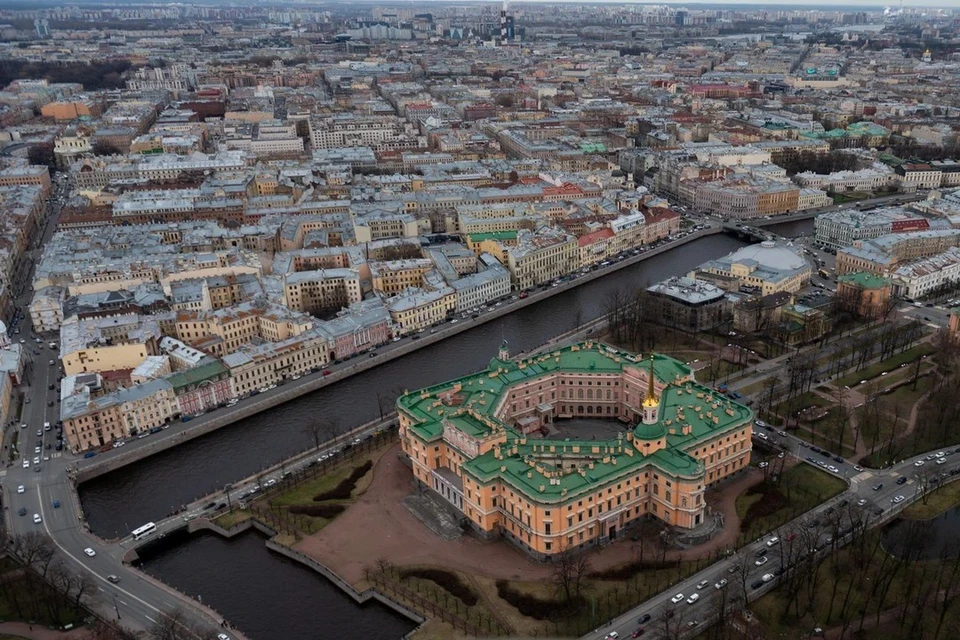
x=496, y=445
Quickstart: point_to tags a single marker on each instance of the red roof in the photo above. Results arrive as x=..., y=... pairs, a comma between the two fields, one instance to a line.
x=596, y=236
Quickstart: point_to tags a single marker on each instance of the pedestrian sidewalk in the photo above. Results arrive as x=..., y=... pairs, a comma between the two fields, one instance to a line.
x=39, y=632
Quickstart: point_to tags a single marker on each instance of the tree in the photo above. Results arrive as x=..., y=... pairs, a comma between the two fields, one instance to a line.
x=570, y=567
x=175, y=624
x=314, y=427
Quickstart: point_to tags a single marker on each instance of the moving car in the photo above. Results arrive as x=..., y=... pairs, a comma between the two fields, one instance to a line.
x=112, y=578
x=20, y=488
x=721, y=584
x=677, y=598
x=90, y=552
x=693, y=599
x=702, y=584
x=37, y=519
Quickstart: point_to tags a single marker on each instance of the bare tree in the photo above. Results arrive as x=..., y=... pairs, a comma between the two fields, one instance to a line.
x=177, y=625
x=570, y=568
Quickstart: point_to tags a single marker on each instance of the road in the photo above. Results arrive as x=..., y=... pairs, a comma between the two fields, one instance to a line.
x=136, y=601
x=829, y=523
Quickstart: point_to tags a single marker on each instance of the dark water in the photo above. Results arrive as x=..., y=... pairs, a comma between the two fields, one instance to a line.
x=925, y=539
x=793, y=229
x=266, y=595
x=151, y=488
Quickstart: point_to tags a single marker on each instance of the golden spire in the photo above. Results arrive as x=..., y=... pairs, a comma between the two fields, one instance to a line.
x=651, y=399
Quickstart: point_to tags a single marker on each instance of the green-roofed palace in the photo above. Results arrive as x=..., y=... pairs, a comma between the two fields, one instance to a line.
x=478, y=442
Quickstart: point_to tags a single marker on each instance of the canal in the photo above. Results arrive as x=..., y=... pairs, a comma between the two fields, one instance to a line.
x=266, y=595
x=120, y=501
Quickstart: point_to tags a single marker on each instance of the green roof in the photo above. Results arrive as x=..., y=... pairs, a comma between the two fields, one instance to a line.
x=864, y=280
x=468, y=404
x=197, y=375
x=493, y=235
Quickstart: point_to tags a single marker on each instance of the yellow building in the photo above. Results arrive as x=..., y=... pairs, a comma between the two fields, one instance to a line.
x=223, y=331
x=112, y=343
x=541, y=256
x=476, y=441
x=393, y=276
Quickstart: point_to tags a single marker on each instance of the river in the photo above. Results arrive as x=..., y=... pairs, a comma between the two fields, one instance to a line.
x=150, y=489
x=266, y=595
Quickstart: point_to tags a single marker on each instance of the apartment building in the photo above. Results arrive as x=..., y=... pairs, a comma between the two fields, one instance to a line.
x=840, y=229
x=321, y=291
x=417, y=309
x=223, y=331
x=394, y=276
x=255, y=366
x=487, y=285
x=541, y=256
x=112, y=343
x=467, y=440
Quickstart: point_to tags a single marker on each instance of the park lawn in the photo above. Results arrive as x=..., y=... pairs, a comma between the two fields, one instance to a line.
x=803, y=488
x=232, y=518
x=751, y=389
x=303, y=493
x=906, y=396
x=800, y=402
x=768, y=610
x=889, y=364
x=941, y=499
x=823, y=433
x=605, y=599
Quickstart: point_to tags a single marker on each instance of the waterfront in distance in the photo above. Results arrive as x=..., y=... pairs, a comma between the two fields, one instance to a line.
x=265, y=595
x=122, y=500
x=150, y=489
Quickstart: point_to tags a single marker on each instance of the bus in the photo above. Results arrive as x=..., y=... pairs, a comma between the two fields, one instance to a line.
x=824, y=274
x=142, y=532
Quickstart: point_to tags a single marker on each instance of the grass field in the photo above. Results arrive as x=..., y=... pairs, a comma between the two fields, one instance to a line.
x=940, y=500
x=801, y=488
x=874, y=370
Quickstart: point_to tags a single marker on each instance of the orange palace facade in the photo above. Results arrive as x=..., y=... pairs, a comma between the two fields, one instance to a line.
x=472, y=441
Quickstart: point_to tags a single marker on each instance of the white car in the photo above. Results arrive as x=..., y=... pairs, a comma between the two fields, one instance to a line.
x=692, y=599
x=677, y=598
x=702, y=584
x=26, y=464
x=37, y=519
x=761, y=561
x=36, y=460
x=773, y=541
x=767, y=577
x=721, y=584
x=20, y=488
x=90, y=552
x=941, y=460
x=861, y=502
x=613, y=635
x=898, y=500
x=918, y=463
x=223, y=636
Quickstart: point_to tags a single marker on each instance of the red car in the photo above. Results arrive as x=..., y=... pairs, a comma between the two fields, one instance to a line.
x=636, y=634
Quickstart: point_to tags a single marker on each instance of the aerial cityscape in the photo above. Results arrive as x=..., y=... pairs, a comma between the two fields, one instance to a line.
x=480, y=320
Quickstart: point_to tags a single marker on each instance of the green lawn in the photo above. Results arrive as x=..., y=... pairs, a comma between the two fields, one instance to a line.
x=801, y=488
x=889, y=364
x=938, y=501
x=906, y=396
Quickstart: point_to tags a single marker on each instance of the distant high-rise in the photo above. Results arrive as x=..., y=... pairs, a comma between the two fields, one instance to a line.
x=42, y=27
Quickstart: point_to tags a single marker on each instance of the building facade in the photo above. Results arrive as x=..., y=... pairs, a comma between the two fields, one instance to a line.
x=470, y=440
